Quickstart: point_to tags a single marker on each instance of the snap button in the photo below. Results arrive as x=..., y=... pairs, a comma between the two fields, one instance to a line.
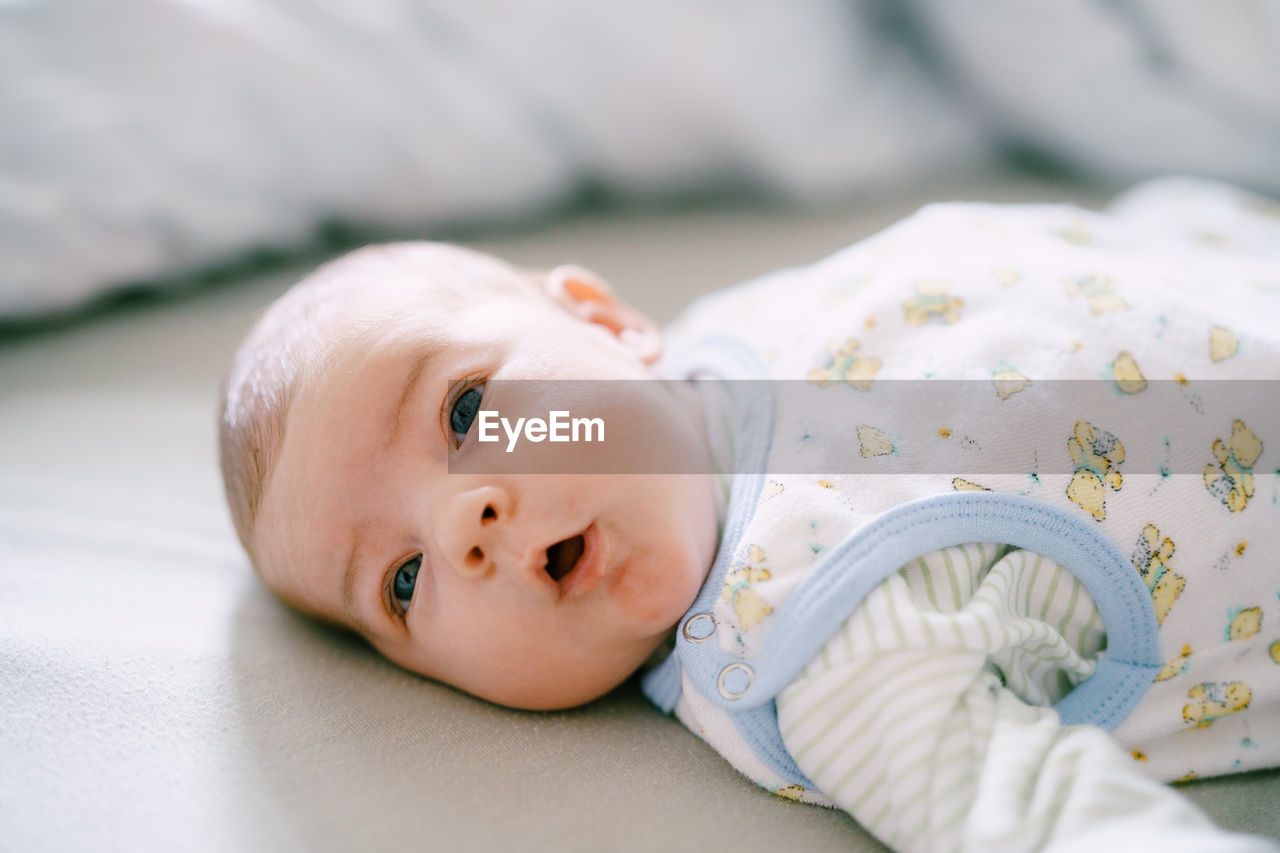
x=741, y=676
x=699, y=628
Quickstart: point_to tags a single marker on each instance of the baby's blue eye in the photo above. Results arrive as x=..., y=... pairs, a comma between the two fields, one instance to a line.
x=464, y=411
x=405, y=580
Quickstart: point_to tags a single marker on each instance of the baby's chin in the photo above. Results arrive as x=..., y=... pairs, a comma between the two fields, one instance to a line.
x=577, y=685
x=547, y=697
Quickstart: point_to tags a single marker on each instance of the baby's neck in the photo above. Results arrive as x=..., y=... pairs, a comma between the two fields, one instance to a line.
x=708, y=401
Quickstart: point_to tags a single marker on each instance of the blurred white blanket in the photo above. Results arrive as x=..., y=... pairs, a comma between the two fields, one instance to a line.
x=144, y=137
x=1124, y=88
x=140, y=139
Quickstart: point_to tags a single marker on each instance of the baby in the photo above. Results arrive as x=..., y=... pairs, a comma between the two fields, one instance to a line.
x=342, y=412
x=869, y=649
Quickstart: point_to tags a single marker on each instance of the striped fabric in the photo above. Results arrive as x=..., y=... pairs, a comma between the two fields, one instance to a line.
x=932, y=699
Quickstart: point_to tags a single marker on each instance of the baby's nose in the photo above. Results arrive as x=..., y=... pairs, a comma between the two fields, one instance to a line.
x=472, y=529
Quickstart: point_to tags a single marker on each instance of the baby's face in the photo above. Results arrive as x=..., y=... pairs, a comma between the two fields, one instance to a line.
x=536, y=591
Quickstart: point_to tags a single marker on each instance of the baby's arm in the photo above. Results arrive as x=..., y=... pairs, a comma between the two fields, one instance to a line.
x=903, y=721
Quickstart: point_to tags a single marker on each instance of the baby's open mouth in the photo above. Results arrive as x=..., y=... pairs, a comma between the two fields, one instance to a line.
x=564, y=555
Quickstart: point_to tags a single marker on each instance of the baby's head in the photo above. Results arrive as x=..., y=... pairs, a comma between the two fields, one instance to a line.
x=343, y=410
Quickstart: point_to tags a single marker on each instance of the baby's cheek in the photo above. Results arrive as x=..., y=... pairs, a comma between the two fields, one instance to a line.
x=638, y=603
x=656, y=599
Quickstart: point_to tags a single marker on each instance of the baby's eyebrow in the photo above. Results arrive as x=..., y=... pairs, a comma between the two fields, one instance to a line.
x=416, y=370
x=350, y=577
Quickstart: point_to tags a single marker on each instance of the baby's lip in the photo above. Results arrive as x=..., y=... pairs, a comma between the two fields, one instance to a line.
x=572, y=566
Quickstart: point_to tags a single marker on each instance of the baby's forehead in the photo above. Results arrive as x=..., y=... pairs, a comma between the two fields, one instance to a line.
x=393, y=298
x=374, y=291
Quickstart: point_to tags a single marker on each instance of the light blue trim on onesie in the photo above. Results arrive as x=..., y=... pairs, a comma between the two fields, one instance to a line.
x=878, y=549
x=835, y=586
x=724, y=358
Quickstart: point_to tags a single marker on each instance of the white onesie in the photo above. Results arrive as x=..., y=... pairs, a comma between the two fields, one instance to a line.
x=855, y=644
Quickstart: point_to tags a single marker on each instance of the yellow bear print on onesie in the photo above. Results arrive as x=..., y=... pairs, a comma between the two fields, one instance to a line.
x=1231, y=480
x=933, y=299
x=858, y=371
x=1100, y=290
x=1151, y=558
x=1175, y=666
x=1223, y=344
x=749, y=607
x=1126, y=374
x=1008, y=383
x=960, y=484
x=1097, y=455
x=790, y=792
x=1245, y=624
x=874, y=442
x=1212, y=700
x=770, y=491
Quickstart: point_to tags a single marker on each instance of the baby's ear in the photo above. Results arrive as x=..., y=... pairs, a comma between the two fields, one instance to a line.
x=588, y=297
